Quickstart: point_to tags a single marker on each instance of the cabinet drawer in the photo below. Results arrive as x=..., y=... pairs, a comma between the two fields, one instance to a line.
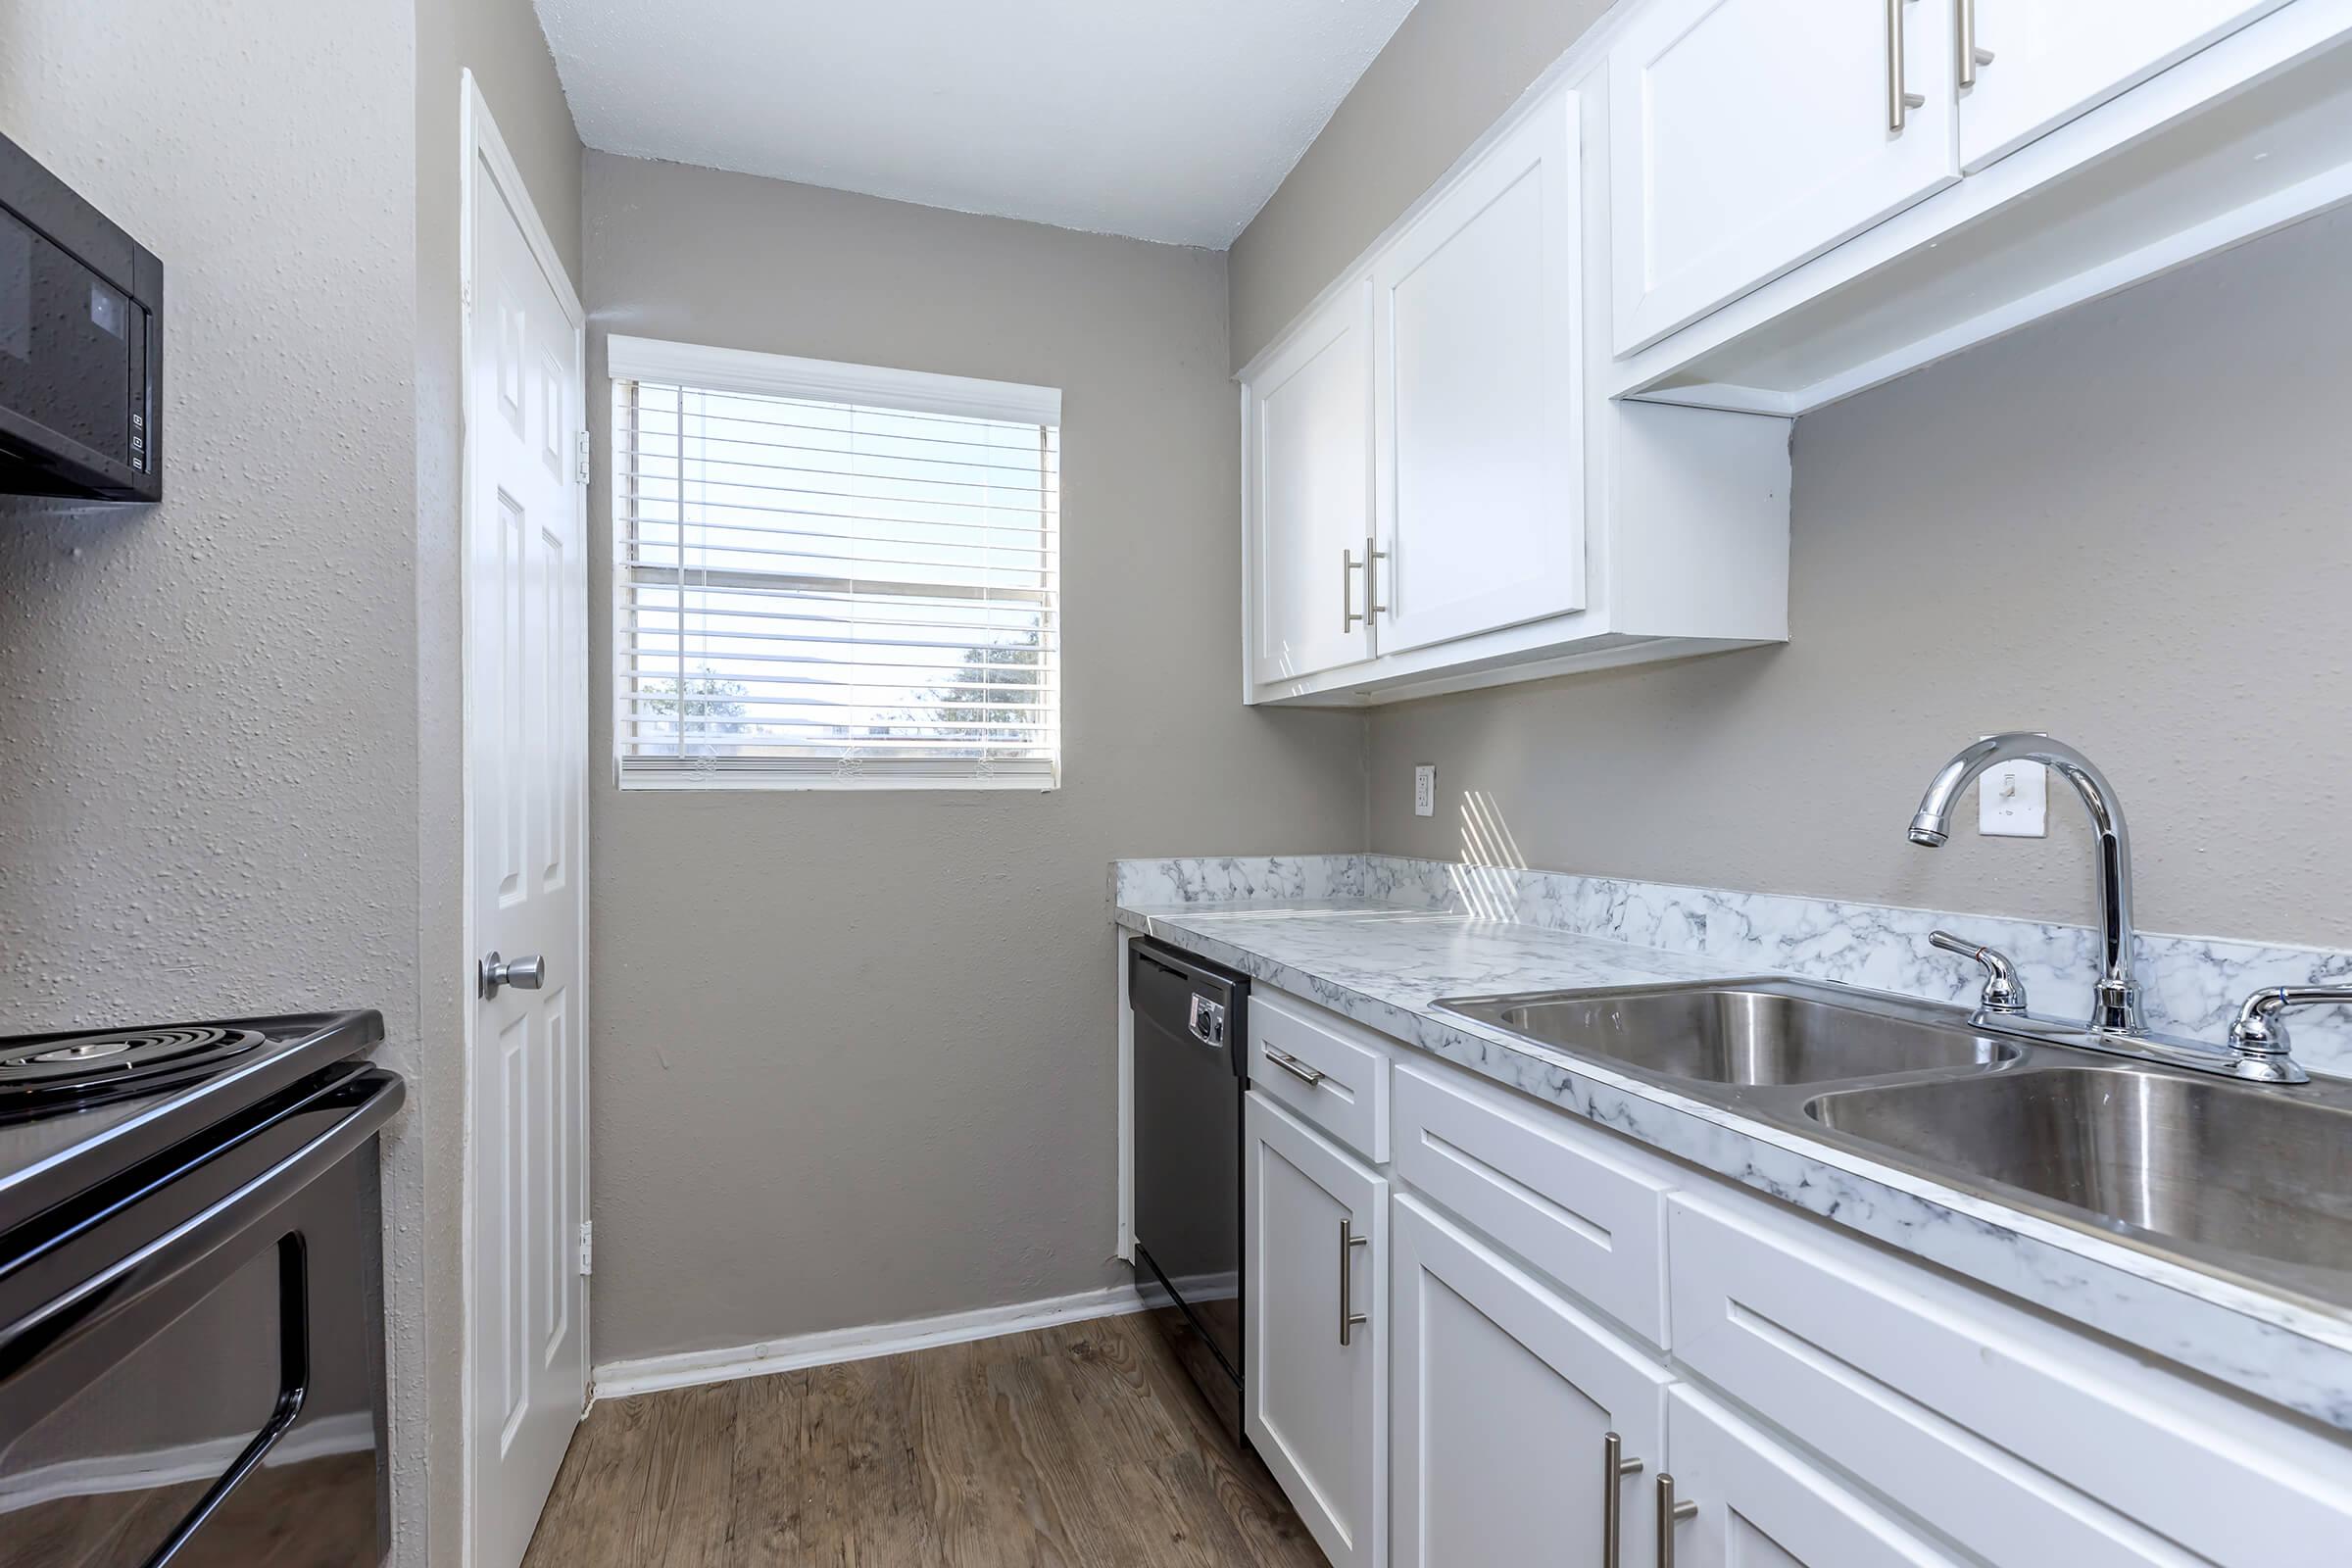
x=1588, y=1213
x=1328, y=1070
x=2022, y=1440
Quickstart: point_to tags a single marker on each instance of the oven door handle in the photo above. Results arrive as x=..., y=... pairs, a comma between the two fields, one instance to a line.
x=293, y=1387
x=63, y=1339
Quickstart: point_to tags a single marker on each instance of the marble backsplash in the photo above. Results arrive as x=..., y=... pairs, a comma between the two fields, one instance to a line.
x=2190, y=985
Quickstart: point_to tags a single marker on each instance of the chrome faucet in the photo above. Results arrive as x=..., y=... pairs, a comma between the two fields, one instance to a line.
x=2115, y=1008
x=2257, y=1050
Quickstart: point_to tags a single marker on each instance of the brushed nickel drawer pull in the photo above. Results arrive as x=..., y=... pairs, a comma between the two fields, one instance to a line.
x=1350, y=1317
x=1297, y=1069
x=1971, y=56
x=1670, y=1514
x=1898, y=102
x=1614, y=1468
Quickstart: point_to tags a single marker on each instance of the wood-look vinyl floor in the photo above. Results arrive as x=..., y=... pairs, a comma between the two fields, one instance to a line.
x=1074, y=1447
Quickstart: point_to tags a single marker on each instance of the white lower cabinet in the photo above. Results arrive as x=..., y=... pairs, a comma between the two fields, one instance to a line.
x=1315, y=1391
x=1505, y=1402
x=1752, y=1504
x=1437, y=1365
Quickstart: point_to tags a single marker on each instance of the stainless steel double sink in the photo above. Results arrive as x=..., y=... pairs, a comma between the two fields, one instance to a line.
x=2239, y=1179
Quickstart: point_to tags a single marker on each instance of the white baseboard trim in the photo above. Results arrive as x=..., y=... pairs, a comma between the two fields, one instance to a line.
x=353, y=1432
x=615, y=1380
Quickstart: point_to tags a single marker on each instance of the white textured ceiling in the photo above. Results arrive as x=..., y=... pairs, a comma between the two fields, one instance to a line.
x=1165, y=119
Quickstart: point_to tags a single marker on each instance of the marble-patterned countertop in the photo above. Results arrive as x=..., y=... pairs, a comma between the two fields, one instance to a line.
x=1386, y=964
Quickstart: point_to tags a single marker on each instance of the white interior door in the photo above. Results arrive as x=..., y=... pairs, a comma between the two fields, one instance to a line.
x=1478, y=397
x=2046, y=63
x=526, y=699
x=1747, y=136
x=1311, y=496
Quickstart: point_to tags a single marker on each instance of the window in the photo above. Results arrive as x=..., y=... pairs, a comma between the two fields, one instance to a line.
x=830, y=576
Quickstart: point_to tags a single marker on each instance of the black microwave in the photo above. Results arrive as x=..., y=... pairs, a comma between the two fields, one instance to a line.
x=81, y=345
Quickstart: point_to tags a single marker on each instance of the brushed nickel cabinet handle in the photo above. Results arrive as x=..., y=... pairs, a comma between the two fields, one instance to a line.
x=1970, y=57
x=1350, y=1317
x=1348, y=567
x=1309, y=1076
x=1614, y=1468
x=1670, y=1514
x=1898, y=102
x=1373, y=557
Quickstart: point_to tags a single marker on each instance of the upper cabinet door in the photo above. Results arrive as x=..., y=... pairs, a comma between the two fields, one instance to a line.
x=1749, y=136
x=1478, y=395
x=1309, y=471
x=2044, y=63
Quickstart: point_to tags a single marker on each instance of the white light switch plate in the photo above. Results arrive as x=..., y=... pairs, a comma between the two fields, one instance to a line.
x=1425, y=790
x=2013, y=801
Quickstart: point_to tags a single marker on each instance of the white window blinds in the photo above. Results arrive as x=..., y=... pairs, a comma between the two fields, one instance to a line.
x=831, y=577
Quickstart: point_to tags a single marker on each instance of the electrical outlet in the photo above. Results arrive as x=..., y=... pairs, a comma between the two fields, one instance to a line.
x=2013, y=801
x=1425, y=790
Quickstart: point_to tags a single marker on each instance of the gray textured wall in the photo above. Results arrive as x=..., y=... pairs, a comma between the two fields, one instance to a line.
x=501, y=42
x=1447, y=73
x=210, y=805
x=220, y=797
x=2125, y=526
x=852, y=1053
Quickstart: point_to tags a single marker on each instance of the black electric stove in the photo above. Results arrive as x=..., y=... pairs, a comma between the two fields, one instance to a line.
x=76, y=1109
x=191, y=1341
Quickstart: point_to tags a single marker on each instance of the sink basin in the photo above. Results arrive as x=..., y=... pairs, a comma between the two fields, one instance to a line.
x=1743, y=1032
x=2250, y=1171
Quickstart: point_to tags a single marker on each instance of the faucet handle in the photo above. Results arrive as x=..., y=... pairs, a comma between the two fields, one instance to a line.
x=2004, y=992
x=2259, y=1035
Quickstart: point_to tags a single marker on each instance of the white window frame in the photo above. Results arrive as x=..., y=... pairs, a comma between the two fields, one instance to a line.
x=705, y=367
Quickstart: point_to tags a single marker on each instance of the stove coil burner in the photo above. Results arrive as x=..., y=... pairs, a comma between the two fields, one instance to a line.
x=101, y=1065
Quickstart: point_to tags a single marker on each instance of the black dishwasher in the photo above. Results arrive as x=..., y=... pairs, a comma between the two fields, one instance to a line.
x=1191, y=1049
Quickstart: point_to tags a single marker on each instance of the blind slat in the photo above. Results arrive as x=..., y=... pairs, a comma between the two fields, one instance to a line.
x=771, y=627
x=658, y=391
x=790, y=545
x=664, y=451
x=635, y=512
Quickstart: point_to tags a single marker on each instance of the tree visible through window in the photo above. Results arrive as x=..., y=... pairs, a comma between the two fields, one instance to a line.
x=854, y=589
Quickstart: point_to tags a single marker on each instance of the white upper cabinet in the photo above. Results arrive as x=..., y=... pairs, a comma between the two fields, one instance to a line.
x=1778, y=246
x=1310, y=417
x=2043, y=62
x=1478, y=397
x=1747, y=136
x=1430, y=501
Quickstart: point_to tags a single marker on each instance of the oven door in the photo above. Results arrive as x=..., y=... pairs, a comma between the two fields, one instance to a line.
x=190, y=1363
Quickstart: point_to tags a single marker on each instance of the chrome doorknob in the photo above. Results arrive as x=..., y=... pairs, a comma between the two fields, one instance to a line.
x=523, y=974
